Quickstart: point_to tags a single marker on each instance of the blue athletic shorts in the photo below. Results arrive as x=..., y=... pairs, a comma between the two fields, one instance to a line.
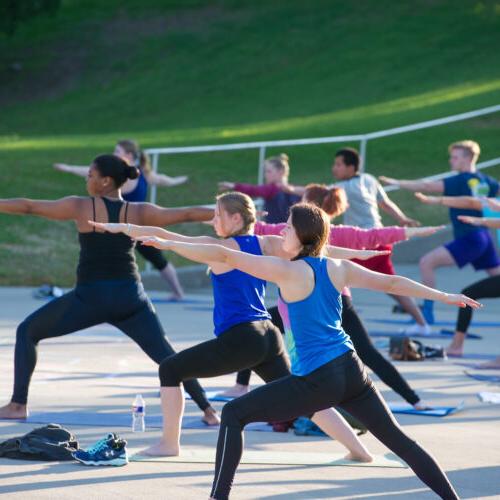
x=476, y=248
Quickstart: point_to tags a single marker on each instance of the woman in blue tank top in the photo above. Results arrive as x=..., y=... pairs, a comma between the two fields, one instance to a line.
x=136, y=191
x=245, y=336
x=325, y=369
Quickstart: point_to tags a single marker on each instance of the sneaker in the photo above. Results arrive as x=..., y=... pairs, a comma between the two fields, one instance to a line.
x=110, y=450
x=417, y=329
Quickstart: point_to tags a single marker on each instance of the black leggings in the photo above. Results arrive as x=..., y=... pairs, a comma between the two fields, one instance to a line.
x=342, y=382
x=122, y=304
x=153, y=255
x=489, y=288
x=257, y=345
x=365, y=349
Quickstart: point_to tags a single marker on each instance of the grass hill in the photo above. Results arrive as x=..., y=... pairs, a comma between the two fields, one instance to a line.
x=197, y=72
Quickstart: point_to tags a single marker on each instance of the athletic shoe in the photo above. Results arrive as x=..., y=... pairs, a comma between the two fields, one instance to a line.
x=110, y=450
x=417, y=329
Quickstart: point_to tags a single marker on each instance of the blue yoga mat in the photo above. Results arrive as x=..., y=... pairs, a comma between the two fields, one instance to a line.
x=159, y=300
x=495, y=379
x=435, y=335
x=436, y=411
x=489, y=324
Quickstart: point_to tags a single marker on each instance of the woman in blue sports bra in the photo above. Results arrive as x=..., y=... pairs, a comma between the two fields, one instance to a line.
x=325, y=369
x=245, y=336
x=136, y=190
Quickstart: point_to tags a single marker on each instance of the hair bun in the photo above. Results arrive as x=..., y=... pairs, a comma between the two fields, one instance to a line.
x=284, y=157
x=132, y=172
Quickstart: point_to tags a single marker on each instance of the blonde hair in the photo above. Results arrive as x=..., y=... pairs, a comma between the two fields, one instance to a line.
x=280, y=162
x=470, y=147
x=239, y=203
x=141, y=159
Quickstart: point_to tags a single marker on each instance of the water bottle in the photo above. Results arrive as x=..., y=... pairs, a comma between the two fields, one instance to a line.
x=138, y=414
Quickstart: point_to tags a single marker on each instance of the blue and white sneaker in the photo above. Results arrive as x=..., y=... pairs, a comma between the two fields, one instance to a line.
x=110, y=450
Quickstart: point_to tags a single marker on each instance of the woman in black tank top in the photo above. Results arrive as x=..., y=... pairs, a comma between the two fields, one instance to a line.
x=108, y=287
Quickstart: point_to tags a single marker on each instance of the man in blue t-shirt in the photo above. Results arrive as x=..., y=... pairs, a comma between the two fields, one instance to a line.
x=471, y=245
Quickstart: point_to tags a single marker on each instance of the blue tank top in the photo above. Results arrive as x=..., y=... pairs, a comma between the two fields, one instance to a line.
x=239, y=297
x=140, y=192
x=313, y=327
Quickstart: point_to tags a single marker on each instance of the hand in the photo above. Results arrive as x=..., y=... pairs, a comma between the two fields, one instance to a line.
x=286, y=188
x=154, y=241
x=226, y=186
x=261, y=213
x=460, y=300
x=494, y=204
x=110, y=227
x=60, y=166
x=368, y=254
x=428, y=200
x=412, y=232
x=406, y=221
x=388, y=180
x=473, y=221
x=180, y=179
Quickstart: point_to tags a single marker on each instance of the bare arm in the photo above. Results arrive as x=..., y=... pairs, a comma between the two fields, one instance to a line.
x=62, y=209
x=418, y=185
x=481, y=221
x=72, y=169
x=348, y=253
x=451, y=201
x=290, y=189
x=153, y=215
x=360, y=277
x=163, y=180
x=135, y=231
x=388, y=206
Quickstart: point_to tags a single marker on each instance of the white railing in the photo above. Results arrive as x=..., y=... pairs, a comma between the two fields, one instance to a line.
x=363, y=139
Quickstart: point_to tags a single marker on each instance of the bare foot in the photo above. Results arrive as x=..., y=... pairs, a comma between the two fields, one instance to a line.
x=421, y=406
x=454, y=352
x=160, y=450
x=489, y=365
x=176, y=298
x=357, y=457
x=210, y=417
x=14, y=411
x=234, y=392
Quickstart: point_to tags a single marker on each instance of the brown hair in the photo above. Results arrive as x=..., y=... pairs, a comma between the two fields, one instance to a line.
x=470, y=147
x=239, y=203
x=312, y=227
x=280, y=162
x=332, y=200
x=141, y=159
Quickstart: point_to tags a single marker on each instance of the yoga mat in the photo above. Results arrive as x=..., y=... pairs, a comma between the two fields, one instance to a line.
x=495, y=379
x=159, y=300
x=490, y=324
x=434, y=335
x=490, y=397
x=436, y=411
x=207, y=456
x=213, y=396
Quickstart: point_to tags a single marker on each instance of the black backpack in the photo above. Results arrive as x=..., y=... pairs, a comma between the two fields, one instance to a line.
x=49, y=443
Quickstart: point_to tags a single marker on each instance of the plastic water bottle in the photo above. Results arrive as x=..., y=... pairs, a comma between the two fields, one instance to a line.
x=138, y=414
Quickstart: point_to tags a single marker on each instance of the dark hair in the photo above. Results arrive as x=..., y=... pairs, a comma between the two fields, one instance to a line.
x=116, y=168
x=312, y=227
x=332, y=200
x=141, y=159
x=350, y=157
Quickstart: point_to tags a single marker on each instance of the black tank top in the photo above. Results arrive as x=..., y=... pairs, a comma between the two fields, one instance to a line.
x=106, y=256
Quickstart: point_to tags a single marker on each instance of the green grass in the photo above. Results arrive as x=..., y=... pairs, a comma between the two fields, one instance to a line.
x=197, y=72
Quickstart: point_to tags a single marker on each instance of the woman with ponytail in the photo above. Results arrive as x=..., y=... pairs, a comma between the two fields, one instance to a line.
x=136, y=190
x=108, y=285
x=277, y=202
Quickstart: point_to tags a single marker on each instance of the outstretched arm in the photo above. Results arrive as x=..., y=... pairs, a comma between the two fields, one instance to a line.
x=72, y=169
x=266, y=268
x=360, y=277
x=164, y=180
x=135, y=231
x=388, y=206
x=418, y=185
x=481, y=221
x=153, y=215
x=348, y=253
x=451, y=201
x=62, y=209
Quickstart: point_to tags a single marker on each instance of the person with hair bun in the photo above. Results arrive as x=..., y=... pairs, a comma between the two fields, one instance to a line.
x=326, y=370
x=136, y=190
x=108, y=285
x=277, y=202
